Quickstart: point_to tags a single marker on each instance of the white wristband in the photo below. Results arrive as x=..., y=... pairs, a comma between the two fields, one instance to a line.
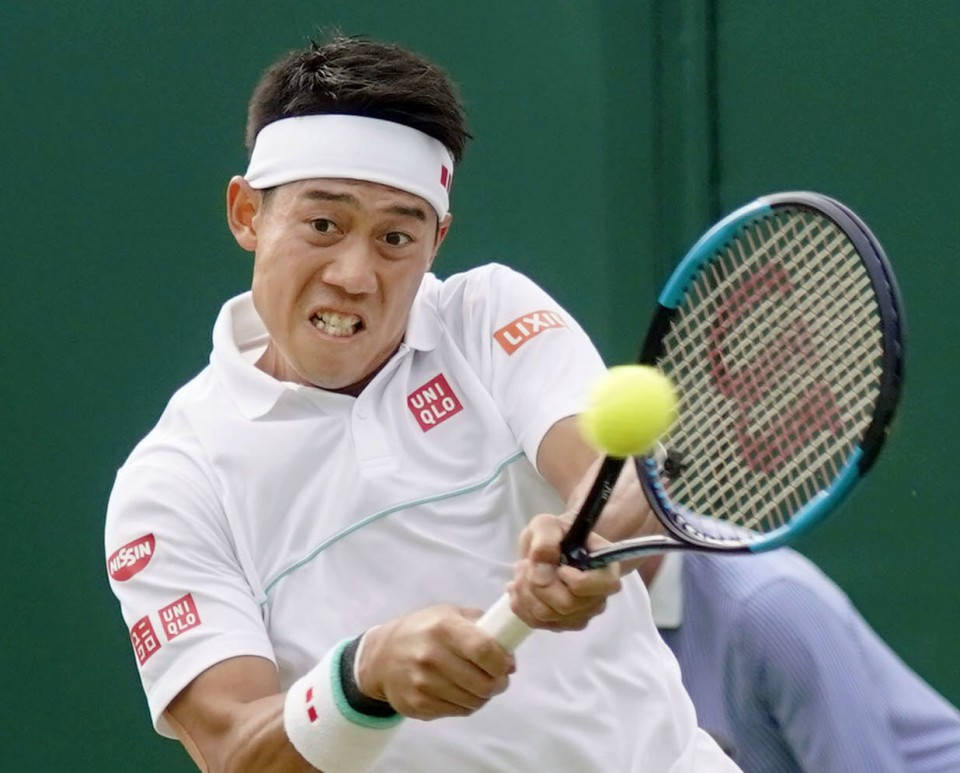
x=325, y=729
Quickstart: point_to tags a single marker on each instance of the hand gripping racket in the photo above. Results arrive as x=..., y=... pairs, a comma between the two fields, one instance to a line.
x=783, y=332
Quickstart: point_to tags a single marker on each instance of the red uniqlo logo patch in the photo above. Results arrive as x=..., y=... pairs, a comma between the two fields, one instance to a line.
x=178, y=617
x=515, y=334
x=311, y=711
x=446, y=177
x=144, y=639
x=433, y=403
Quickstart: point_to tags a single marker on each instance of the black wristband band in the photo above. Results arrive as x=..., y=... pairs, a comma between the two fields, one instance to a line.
x=357, y=700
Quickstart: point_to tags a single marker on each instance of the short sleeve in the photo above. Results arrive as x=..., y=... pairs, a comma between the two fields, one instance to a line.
x=172, y=565
x=535, y=359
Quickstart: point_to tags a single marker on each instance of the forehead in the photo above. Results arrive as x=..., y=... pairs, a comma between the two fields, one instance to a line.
x=359, y=194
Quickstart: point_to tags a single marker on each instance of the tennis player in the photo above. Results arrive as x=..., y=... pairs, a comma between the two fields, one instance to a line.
x=302, y=543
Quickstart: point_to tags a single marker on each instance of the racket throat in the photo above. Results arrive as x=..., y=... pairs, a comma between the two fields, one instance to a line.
x=573, y=548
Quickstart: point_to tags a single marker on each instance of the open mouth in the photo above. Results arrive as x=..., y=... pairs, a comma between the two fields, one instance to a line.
x=336, y=324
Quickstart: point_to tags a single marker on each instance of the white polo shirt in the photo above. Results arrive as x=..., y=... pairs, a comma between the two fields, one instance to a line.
x=267, y=518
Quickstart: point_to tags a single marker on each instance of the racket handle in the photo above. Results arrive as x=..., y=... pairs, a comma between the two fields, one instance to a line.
x=504, y=626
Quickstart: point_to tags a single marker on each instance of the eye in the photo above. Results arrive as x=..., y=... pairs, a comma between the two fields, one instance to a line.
x=397, y=239
x=323, y=225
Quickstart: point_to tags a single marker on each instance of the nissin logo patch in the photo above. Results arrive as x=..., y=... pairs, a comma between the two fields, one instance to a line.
x=515, y=334
x=433, y=403
x=131, y=558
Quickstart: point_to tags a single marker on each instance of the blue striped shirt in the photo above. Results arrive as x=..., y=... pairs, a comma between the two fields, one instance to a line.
x=787, y=675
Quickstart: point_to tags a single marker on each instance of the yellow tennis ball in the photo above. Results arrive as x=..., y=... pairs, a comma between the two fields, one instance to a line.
x=628, y=409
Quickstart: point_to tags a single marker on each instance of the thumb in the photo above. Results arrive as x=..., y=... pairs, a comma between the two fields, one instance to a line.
x=544, y=534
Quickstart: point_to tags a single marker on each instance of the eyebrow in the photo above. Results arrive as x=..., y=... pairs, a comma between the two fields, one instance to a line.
x=318, y=194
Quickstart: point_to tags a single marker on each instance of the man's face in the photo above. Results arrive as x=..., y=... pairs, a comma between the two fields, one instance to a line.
x=337, y=265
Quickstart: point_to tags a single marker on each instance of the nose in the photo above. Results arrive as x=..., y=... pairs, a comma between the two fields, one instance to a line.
x=352, y=269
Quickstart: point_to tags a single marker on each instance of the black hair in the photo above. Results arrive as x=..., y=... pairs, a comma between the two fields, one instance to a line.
x=359, y=76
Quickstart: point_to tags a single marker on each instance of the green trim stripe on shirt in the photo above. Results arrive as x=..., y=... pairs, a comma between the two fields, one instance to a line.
x=389, y=511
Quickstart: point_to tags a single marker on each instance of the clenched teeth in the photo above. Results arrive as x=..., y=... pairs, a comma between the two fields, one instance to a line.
x=336, y=324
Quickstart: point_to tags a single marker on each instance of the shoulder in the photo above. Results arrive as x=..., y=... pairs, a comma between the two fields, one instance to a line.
x=780, y=608
x=170, y=462
x=494, y=300
x=175, y=434
x=474, y=289
x=744, y=578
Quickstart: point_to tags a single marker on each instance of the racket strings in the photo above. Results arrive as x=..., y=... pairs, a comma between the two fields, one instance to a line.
x=762, y=492
x=754, y=246
x=702, y=412
x=839, y=327
x=802, y=332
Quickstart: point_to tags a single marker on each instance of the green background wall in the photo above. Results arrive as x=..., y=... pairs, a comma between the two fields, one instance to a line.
x=608, y=135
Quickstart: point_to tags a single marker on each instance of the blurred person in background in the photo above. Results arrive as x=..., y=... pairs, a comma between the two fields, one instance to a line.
x=786, y=674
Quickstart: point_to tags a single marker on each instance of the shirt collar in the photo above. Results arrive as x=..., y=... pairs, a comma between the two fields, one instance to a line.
x=239, y=337
x=666, y=592
x=423, y=326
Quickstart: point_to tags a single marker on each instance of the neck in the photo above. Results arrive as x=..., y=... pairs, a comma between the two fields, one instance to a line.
x=274, y=364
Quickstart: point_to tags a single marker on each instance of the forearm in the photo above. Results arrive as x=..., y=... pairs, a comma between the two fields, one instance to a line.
x=259, y=741
x=233, y=717
x=570, y=466
x=243, y=737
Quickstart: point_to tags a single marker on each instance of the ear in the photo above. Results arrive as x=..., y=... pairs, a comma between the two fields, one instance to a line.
x=243, y=204
x=442, y=228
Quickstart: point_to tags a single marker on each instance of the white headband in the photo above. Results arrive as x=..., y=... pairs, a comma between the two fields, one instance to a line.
x=355, y=148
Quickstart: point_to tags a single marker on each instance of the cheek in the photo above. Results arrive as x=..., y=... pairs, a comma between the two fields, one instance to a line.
x=405, y=286
x=275, y=289
x=276, y=269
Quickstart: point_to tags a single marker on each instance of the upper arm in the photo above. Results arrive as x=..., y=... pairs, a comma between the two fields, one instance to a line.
x=231, y=718
x=564, y=458
x=188, y=604
x=531, y=355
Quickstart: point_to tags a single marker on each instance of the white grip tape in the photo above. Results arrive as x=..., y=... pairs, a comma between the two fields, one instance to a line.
x=503, y=625
x=322, y=726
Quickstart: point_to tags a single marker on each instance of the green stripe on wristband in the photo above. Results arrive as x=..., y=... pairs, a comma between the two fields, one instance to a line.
x=340, y=699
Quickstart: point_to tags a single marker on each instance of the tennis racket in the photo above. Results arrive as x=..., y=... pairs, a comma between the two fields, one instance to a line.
x=783, y=331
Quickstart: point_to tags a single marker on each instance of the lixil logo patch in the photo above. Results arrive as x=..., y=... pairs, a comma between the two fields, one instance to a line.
x=433, y=403
x=515, y=334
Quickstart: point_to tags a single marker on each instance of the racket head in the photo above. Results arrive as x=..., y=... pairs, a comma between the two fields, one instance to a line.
x=783, y=330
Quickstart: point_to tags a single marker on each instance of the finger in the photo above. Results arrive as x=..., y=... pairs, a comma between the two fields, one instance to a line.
x=539, y=614
x=555, y=602
x=481, y=649
x=472, y=660
x=429, y=688
x=471, y=613
x=549, y=603
x=465, y=676
x=589, y=583
x=554, y=593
